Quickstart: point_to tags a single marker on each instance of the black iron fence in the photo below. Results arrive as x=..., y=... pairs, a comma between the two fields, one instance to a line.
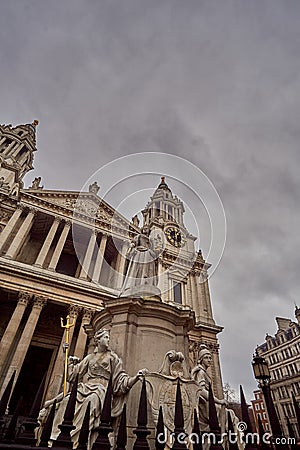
x=18, y=434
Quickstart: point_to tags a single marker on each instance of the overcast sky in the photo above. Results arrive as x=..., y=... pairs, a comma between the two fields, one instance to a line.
x=216, y=82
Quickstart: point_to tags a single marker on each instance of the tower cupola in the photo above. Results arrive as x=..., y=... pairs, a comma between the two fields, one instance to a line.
x=17, y=146
x=163, y=206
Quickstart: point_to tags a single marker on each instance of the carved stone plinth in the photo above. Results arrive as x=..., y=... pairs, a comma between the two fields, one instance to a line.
x=141, y=333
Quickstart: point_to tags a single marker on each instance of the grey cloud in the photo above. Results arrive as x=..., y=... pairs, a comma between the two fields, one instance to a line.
x=215, y=82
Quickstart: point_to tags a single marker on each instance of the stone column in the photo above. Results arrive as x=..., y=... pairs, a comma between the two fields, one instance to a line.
x=190, y=300
x=9, y=147
x=10, y=226
x=163, y=280
x=21, y=235
x=88, y=256
x=57, y=376
x=82, y=335
x=203, y=309
x=25, y=339
x=16, y=150
x=207, y=299
x=198, y=299
x=195, y=297
x=100, y=258
x=120, y=265
x=47, y=243
x=12, y=327
x=59, y=247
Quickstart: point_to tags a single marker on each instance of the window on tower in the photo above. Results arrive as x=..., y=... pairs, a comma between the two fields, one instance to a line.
x=177, y=292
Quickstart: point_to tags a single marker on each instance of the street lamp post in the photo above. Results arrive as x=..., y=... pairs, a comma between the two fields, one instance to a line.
x=262, y=375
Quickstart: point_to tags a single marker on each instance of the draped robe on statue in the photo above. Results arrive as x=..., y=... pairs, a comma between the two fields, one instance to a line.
x=94, y=372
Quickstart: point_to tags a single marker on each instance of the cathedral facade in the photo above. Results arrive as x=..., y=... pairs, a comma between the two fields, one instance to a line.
x=65, y=253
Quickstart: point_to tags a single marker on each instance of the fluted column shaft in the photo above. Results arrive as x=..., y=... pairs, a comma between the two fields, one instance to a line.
x=12, y=327
x=88, y=257
x=82, y=335
x=16, y=150
x=207, y=299
x=195, y=297
x=100, y=258
x=25, y=339
x=47, y=243
x=20, y=236
x=9, y=227
x=120, y=265
x=9, y=147
x=59, y=247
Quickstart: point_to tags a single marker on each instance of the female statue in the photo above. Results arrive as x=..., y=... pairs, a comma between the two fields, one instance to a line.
x=94, y=372
x=202, y=377
x=143, y=265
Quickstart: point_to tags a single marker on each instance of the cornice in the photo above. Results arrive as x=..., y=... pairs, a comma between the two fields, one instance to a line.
x=49, y=282
x=45, y=200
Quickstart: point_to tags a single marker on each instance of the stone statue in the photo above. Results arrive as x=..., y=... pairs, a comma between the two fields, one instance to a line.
x=135, y=220
x=142, y=272
x=36, y=183
x=201, y=376
x=94, y=187
x=94, y=373
x=3, y=185
x=162, y=392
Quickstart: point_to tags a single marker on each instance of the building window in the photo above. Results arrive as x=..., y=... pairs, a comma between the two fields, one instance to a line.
x=177, y=292
x=257, y=406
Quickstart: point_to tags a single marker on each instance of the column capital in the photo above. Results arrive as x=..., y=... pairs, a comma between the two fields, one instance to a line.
x=57, y=219
x=87, y=314
x=68, y=223
x=32, y=210
x=74, y=310
x=89, y=329
x=96, y=232
x=24, y=298
x=39, y=301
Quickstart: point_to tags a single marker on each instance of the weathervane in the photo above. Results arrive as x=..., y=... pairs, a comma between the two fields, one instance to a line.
x=66, y=348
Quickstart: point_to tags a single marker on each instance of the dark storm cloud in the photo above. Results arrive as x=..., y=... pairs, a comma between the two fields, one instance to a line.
x=216, y=82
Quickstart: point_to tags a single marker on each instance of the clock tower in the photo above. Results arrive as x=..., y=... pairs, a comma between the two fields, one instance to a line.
x=165, y=212
x=183, y=272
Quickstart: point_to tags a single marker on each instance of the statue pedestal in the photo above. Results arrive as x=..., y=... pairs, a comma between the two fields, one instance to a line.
x=147, y=291
x=141, y=333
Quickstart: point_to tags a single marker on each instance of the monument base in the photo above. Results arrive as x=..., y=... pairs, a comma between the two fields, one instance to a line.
x=145, y=291
x=141, y=333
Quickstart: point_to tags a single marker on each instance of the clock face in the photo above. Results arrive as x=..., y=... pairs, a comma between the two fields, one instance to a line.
x=174, y=236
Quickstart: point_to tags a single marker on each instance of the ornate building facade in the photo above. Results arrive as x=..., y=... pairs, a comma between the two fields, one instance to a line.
x=259, y=410
x=64, y=253
x=282, y=353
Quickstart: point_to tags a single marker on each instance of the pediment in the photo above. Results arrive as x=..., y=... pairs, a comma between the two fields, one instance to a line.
x=81, y=205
